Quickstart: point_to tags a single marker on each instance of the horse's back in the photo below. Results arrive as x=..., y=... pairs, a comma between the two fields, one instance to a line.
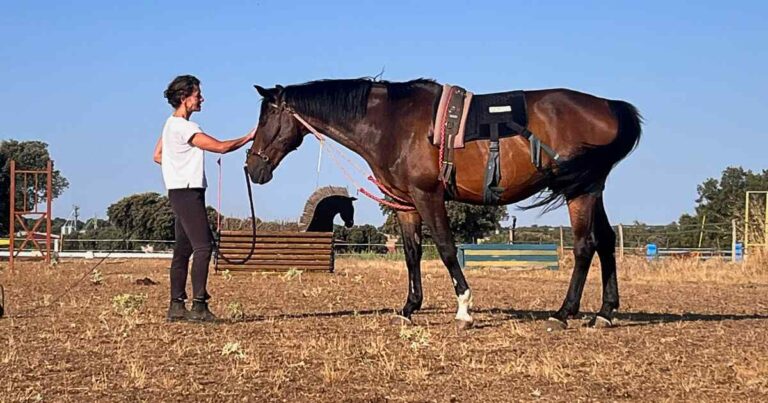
x=567, y=119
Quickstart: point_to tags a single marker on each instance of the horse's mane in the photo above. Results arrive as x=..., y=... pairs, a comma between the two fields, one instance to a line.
x=315, y=199
x=338, y=101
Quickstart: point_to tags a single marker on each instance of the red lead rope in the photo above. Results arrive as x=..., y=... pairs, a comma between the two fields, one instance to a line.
x=397, y=206
x=442, y=128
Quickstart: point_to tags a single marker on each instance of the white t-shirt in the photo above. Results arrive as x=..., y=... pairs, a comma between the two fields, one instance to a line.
x=183, y=164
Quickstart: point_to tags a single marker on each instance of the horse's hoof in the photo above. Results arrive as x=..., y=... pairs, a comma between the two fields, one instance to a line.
x=399, y=320
x=600, y=322
x=555, y=325
x=463, y=325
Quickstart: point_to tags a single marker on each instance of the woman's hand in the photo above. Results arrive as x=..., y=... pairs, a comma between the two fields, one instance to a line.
x=252, y=134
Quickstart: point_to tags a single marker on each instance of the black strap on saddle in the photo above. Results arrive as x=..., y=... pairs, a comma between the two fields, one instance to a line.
x=491, y=189
x=498, y=114
x=536, y=147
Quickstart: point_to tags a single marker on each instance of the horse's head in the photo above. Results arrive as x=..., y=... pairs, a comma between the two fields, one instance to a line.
x=278, y=133
x=347, y=211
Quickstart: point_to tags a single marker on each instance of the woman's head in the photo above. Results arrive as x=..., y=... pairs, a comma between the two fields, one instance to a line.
x=181, y=89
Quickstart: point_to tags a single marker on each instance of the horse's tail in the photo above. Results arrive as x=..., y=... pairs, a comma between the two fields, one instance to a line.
x=587, y=170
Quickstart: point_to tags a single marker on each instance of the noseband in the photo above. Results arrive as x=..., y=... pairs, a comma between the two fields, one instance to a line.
x=261, y=155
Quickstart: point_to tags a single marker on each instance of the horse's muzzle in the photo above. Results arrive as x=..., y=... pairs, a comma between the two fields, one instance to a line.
x=260, y=171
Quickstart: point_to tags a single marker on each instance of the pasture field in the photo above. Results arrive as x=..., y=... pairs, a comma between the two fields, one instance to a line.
x=689, y=331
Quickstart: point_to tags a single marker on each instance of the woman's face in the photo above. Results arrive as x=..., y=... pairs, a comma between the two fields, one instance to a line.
x=194, y=102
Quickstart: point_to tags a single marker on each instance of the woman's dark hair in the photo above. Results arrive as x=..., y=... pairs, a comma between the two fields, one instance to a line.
x=180, y=88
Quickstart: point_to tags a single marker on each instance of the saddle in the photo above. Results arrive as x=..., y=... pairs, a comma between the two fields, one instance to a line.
x=461, y=116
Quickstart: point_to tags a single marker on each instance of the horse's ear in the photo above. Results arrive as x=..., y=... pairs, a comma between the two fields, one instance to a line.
x=279, y=88
x=267, y=94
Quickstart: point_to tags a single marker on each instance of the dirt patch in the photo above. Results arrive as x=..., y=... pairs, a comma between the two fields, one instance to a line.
x=696, y=332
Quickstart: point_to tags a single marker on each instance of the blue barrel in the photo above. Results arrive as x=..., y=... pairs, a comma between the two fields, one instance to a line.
x=651, y=251
x=739, y=256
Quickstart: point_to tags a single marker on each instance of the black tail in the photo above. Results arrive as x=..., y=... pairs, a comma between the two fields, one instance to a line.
x=586, y=171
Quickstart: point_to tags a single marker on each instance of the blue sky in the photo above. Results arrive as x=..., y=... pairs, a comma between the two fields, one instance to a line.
x=88, y=78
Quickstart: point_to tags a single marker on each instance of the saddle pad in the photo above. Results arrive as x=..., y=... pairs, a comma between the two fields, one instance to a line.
x=497, y=109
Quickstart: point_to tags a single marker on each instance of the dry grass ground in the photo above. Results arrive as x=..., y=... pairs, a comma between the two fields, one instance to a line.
x=688, y=331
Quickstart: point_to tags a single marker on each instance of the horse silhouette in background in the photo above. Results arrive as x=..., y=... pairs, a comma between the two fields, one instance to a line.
x=323, y=206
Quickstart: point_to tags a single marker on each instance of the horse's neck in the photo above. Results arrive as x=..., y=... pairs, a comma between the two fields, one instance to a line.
x=349, y=137
x=323, y=220
x=362, y=136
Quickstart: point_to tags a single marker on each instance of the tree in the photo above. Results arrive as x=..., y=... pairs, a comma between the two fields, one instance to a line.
x=720, y=201
x=468, y=222
x=143, y=216
x=723, y=200
x=148, y=216
x=361, y=238
x=29, y=155
x=76, y=240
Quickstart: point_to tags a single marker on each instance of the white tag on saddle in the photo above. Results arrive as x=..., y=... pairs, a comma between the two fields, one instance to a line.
x=499, y=109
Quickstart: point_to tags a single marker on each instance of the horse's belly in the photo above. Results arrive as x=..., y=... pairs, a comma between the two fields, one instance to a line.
x=518, y=175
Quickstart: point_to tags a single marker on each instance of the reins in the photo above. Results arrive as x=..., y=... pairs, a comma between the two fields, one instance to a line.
x=398, y=204
x=220, y=255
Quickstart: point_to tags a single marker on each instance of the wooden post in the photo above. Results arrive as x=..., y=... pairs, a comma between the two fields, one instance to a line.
x=621, y=242
x=12, y=216
x=733, y=240
x=765, y=224
x=49, y=198
x=701, y=232
x=746, y=225
x=562, y=243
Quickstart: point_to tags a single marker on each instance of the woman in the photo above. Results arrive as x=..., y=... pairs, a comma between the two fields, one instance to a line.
x=180, y=151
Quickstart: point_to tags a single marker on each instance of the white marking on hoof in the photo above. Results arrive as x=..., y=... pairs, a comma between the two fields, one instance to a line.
x=555, y=325
x=465, y=303
x=601, y=322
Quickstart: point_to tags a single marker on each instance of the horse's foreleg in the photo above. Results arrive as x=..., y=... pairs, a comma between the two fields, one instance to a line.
x=434, y=214
x=410, y=227
x=582, y=213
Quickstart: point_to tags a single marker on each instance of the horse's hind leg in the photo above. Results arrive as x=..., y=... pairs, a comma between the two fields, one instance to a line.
x=410, y=226
x=582, y=213
x=432, y=209
x=606, y=250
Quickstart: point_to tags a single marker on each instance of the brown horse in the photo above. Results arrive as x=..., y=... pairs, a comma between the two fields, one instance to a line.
x=388, y=124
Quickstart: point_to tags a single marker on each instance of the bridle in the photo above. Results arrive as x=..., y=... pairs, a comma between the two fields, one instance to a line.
x=280, y=109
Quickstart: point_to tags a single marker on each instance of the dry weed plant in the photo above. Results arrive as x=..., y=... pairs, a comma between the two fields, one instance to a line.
x=416, y=335
x=128, y=304
x=235, y=311
x=233, y=349
x=97, y=278
x=291, y=274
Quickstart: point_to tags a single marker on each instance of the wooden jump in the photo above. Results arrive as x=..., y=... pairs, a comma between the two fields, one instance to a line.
x=276, y=251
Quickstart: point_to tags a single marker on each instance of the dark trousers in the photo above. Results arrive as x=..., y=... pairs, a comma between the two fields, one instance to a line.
x=193, y=238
